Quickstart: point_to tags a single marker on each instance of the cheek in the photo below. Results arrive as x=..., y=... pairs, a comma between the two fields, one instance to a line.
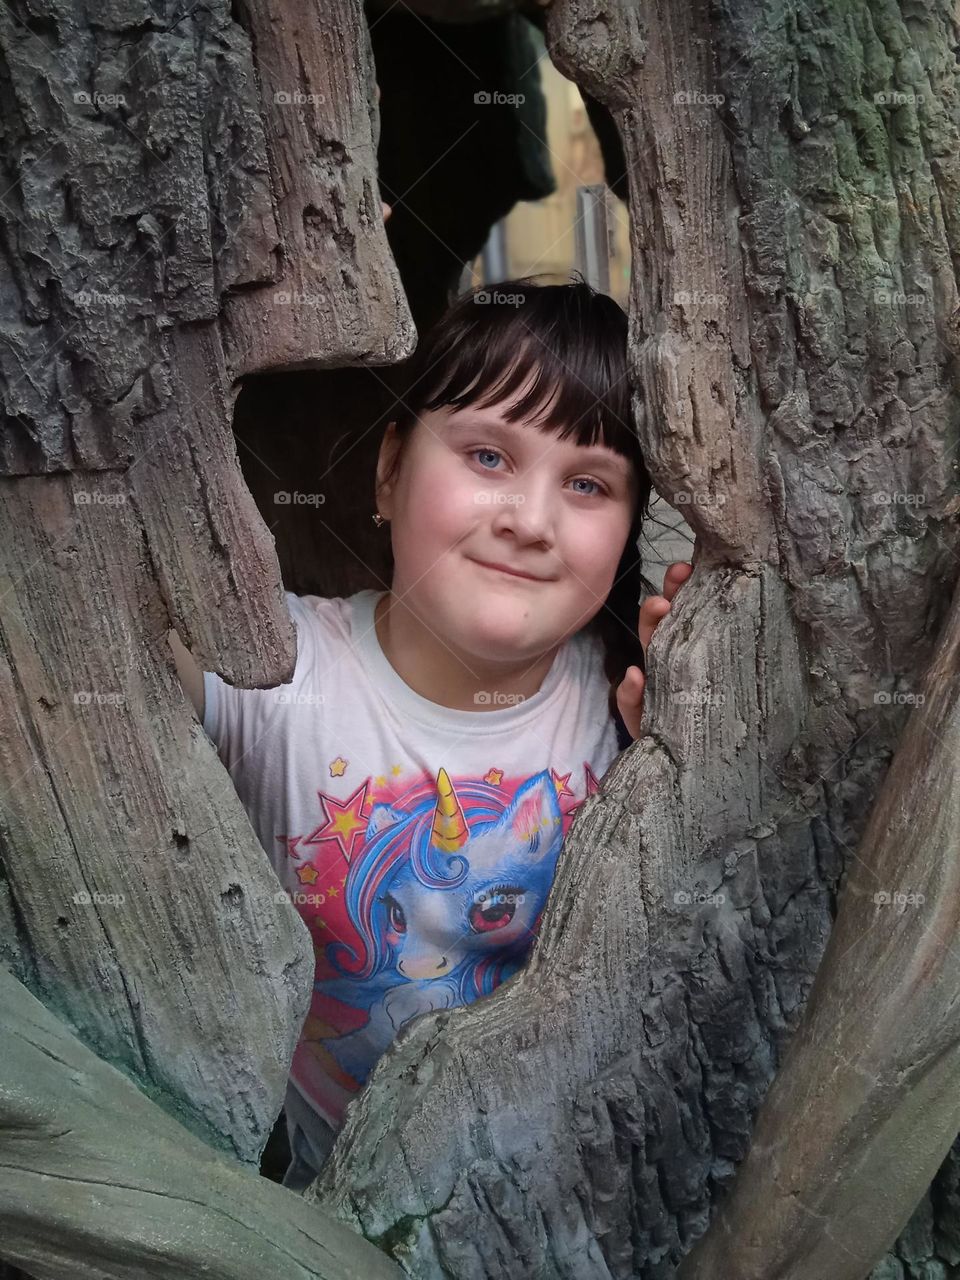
x=437, y=507
x=596, y=545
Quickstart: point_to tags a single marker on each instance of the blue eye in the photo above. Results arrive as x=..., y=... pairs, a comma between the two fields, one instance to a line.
x=489, y=452
x=597, y=491
x=587, y=480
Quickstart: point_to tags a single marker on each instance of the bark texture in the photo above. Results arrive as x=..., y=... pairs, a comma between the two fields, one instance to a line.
x=793, y=182
x=156, y=194
x=97, y=1183
x=337, y=298
x=870, y=1081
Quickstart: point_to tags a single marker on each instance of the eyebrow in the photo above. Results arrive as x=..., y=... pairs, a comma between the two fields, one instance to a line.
x=593, y=455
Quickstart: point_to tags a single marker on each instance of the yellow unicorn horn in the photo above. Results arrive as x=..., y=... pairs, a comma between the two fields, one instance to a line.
x=449, y=825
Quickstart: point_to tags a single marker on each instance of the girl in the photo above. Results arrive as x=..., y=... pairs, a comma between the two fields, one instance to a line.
x=414, y=782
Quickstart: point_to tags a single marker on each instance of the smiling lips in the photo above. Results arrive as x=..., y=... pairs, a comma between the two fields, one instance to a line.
x=513, y=573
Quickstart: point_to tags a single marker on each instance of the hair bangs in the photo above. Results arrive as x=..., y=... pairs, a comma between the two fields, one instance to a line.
x=556, y=354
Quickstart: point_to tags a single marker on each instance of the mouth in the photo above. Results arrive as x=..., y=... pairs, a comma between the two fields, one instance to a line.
x=513, y=573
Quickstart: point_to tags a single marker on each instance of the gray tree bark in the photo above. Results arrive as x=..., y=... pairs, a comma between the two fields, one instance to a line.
x=148, y=203
x=866, y=1106
x=98, y=1183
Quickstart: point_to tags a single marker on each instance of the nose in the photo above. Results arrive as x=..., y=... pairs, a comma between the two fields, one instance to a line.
x=422, y=966
x=527, y=512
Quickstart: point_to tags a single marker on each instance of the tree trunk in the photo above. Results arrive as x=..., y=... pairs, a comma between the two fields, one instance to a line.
x=866, y=1105
x=152, y=197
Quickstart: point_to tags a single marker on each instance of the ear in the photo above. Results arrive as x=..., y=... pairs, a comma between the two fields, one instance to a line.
x=534, y=818
x=386, y=461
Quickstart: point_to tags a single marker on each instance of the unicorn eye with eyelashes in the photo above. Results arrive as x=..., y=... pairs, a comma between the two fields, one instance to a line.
x=396, y=917
x=495, y=908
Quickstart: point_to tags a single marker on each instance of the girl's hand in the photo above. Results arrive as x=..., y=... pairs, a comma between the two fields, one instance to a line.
x=652, y=612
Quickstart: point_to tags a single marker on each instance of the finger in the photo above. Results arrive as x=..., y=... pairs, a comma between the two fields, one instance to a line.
x=631, y=686
x=675, y=576
x=653, y=610
x=630, y=700
x=387, y=209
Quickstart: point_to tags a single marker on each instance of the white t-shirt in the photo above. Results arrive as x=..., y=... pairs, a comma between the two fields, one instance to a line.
x=418, y=842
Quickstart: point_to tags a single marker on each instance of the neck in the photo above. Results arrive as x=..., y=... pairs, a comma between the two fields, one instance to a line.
x=440, y=674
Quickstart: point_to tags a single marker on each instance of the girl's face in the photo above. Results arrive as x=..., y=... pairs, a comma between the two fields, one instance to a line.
x=474, y=492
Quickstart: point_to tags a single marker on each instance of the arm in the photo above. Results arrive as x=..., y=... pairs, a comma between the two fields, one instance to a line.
x=191, y=676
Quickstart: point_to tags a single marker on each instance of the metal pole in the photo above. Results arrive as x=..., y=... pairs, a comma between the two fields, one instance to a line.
x=495, y=254
x=592, y=233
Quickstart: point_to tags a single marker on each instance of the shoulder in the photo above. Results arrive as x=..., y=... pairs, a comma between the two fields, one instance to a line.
x=317, y=614
x=584, y=667
x=322, y=621
x=330, y=632
x=323, y=626
x=317, y=611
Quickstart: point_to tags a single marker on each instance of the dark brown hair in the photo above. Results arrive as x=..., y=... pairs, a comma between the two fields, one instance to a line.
x=482, y=350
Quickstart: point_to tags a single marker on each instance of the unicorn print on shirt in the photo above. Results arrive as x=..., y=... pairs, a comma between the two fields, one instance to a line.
x=444, y=897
